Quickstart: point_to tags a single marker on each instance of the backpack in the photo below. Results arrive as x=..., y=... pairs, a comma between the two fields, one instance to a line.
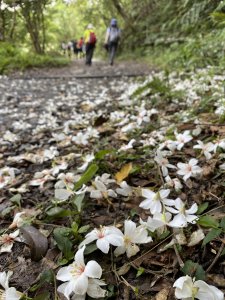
x=114, y=34
x=92, y=38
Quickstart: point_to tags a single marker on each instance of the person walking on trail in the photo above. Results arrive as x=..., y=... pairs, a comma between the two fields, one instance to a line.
x=80, y=44
x=70, y=48
x=90, y=42
x=112, y=38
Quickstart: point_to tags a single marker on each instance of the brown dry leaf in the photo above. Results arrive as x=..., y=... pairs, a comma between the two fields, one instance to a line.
x=217, y=280
x=123, y=173
x=123, y=270
x=163, y=294
x=186, y=126
x=120, y=136
x=209, y=169
x=218, y=129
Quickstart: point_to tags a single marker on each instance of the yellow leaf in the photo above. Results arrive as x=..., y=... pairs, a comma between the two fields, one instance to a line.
x=163, y=294
x=123, y=173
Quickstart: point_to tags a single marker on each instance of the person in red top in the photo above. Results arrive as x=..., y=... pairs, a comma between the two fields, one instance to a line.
x=80, y=47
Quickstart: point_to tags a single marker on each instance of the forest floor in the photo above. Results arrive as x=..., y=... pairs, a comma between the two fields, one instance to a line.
x=53, y=120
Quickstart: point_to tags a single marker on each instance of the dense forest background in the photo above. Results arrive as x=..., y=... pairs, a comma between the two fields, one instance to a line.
x=185, y=33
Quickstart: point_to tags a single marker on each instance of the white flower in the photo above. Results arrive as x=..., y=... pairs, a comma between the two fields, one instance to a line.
x=182, y=138
x=17, y=220
x=80, y=139
x=163, y=163
x=155, y=201
x=76, y=276
x=124, y=190
x=7, y=241
x=87, y=159
x=189, y=170
x=159, y=220
x=104, y=236
x=173, y=183
x=132, y=235
x=188, y=289
x=7, y=176
x=63, y=194
x=183, y=216
x=66, y=180
x=129, y=127
x=100, y=191
x=219, y=143
x=171, y=145
x=206, y=148
x=10, y=293
x=105, y=178
x=10, y=137
x=128, y=146
x=50, y=153
x=196, y=237
x=55, y=170
x=40, y=178
x=92, y=132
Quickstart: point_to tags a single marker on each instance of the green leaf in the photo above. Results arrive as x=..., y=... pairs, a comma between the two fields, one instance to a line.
x=78, y=201
x=63, y=242
x=223, y=252
x=16, y=199
x=58, y=212
x=86, y=177
x=46, y=277
x=74, y=227
x=90, y=248
x=84, y=229
x=214, y=233
x=222, y=223
x=140, y=271
x=208, y=221
x=164, y=235
x=102, y=153
x=202, y=207
x=43, y=296
x=133, y=212
x=194, y=270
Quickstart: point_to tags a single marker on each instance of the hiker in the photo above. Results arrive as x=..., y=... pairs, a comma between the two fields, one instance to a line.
x=64, y=47
x=112, y=38
x=70, y=48
x=80, y=48
x=75, y=50
x=90, y=42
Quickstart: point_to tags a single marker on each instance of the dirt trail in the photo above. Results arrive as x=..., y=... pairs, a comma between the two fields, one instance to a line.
x=77, y=68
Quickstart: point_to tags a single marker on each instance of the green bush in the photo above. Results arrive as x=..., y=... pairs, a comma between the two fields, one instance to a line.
x=13, y=58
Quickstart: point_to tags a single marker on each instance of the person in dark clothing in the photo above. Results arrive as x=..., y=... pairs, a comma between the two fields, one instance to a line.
x=112, y=38
x=90, y=42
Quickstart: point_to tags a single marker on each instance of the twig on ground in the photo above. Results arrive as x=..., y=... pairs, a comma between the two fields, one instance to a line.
x=216, y=257
x=180, y=261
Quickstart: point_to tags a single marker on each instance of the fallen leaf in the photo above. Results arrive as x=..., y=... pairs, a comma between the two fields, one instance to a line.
x=123, y=270
x=163, y=294
x=123, y=173
x=36, y=241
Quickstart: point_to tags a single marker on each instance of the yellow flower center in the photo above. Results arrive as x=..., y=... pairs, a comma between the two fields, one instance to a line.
x=157, y=197
x=127, y=240
x=77, y=270
x=194, y=291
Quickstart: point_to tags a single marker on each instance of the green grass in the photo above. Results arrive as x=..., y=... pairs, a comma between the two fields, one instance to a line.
x=12, y=58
